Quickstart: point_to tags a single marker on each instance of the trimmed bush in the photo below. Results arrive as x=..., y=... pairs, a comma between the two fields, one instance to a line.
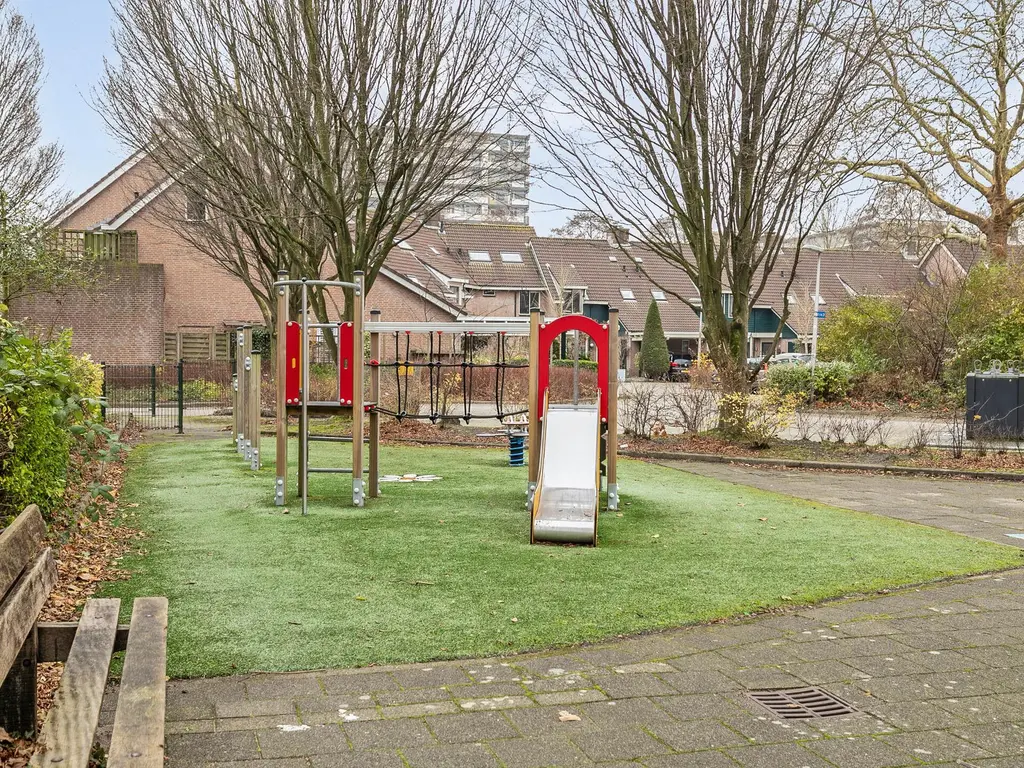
x=654, y=359
x=47, y=406
x=832, y=380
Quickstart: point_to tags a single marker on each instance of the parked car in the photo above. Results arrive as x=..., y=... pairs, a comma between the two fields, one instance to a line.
x=791, y=358
x=679, y=367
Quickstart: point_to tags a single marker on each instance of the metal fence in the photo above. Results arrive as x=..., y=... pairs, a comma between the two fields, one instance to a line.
x=161, y=395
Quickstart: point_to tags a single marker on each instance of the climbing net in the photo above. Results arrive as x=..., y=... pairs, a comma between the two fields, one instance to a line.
x=463, y=370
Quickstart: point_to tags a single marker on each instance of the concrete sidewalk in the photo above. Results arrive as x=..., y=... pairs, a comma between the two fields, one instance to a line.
x=936, y=675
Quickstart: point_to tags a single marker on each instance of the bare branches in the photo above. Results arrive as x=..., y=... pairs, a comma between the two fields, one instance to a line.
x=947, y=106
x=713, y=118
x=326, y=128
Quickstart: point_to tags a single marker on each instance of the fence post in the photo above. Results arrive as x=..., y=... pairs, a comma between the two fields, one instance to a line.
x=103, y=392
x=181, y=396
x=152, y=390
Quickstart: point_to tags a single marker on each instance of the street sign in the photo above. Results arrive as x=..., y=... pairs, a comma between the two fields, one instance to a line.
x=820, y=314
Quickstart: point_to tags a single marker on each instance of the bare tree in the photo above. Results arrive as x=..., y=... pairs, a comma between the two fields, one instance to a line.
x=951, y=73
x=714, y=118
x=322, y=129
x=584, y=225
x=28, y=170
x=898, y=218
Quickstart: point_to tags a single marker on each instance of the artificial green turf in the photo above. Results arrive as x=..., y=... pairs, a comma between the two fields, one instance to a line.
x=445, y=569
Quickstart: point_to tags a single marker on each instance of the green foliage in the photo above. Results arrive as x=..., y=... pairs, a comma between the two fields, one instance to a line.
x=832, y=380
x=199, y=390
x=585, y=365
x=654, y=359
x=48, y=404
x=864, y=332
x=262, y=338
x=1002, y=340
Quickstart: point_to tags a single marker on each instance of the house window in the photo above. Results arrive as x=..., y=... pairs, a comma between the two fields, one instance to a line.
x=479, y=256
x=572, y=301
x=511, y=256
x=195, y=208
x=727, y=304
x=627, y=294
x=657, y=295
x=528, y=301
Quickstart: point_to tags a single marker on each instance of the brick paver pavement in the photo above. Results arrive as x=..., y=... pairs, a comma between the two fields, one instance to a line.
x=936, y=675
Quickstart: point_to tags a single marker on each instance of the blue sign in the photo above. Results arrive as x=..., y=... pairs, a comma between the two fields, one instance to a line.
x=820, y=314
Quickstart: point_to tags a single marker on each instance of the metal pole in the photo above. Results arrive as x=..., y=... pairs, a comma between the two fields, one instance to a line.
x=358, y=394
x=814, y=325
x=612, y=433
x=152, y=390
x=103, y=392
x=281, y=414
x=576, y=367
x=304, y=394
x=374, y=485
x=181, y=396
x=533, y=435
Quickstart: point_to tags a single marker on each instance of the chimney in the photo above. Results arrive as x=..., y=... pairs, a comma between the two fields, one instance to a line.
x=618, y=237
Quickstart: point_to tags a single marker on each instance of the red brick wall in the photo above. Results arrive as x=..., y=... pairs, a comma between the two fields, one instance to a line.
x=118, y=319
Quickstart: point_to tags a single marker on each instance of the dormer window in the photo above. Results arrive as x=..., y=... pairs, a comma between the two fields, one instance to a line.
x=479, y=256
x=627, y=294
x=658, y=295
x=511, y=257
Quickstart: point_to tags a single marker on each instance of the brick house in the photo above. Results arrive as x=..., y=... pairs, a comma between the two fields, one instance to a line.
x=156, y=297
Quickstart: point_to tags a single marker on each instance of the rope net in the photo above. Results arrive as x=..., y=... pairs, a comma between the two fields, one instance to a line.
x=453, y=376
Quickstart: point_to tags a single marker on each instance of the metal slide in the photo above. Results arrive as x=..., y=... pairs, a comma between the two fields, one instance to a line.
x=568, y=491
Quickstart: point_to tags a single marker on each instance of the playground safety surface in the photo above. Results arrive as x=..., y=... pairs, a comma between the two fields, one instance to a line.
x=936, y=675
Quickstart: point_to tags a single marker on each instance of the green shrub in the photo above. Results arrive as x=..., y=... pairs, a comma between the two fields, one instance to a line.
x=832, y=380
x=198, y=390
x=47, y=408
x=788, y=379
x=585, y=365
x=654, y=359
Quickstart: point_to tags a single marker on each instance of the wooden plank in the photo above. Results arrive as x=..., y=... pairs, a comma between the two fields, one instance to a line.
x=18, y=692
x=18, y=544
x=67, y=735
x=57, y=637
x=21, y=607
x=138, y=737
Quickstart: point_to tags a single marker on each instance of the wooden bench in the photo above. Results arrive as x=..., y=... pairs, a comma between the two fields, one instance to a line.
x=27, y=575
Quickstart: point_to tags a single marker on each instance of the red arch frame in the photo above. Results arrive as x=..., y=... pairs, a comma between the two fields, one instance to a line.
x=550, y=331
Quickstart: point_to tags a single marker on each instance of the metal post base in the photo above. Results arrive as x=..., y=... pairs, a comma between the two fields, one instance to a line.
x=279, y=492
x=613, y=496
x=248, y=450
x=254, y=463
x=240, y=447
x=531, y=490
x=358, y=497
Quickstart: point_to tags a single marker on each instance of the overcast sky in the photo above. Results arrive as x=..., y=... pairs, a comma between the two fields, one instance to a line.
x=75, y=35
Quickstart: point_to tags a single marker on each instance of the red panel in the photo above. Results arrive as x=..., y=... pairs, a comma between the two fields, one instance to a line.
x=596, y=331
x=346, y=346
x=293, y=363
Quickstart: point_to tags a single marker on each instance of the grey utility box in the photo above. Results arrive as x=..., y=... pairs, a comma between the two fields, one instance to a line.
x=995, y=402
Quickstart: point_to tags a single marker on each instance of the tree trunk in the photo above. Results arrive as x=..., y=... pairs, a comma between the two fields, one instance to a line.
x=997, y=229
x=727, y=347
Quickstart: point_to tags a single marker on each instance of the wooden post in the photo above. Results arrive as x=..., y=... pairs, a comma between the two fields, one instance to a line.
x=18, y=692
x=534, y=427
x=281, y=410
x=358, y=392
x=374, y=416
x=247, y=394
x=240, y=353
x=255, y=403
x=612, y=433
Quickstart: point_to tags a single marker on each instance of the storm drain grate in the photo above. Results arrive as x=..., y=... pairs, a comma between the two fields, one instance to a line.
x=801, y=703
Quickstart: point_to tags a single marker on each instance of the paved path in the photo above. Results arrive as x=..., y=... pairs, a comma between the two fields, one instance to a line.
x=985, y=509
x=936, y=674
